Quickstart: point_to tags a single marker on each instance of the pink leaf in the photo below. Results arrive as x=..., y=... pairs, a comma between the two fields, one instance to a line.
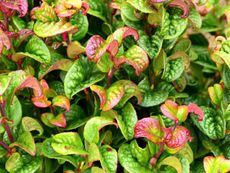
x=101, y=93
x=85, y=7
x=193, y=108
x=61, y=101
x=59, y=120
x=175, y=139
x=124, y=32
x=112, y=48
x=19, y=5
x=169, y=109
x=93, y=44
x=41, y=101
x=156, y=1
x=4, y=41
x=182, y=5
x=149, y=128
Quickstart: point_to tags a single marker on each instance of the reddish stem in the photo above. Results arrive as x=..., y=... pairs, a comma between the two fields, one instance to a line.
x=4, y=122
x=5, y=146
x=157, y=155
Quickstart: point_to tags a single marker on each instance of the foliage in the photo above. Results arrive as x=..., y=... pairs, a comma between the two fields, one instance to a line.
x=107, y=86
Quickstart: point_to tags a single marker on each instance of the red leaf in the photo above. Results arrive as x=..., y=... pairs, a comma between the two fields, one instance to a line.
x=193, y=108
x=169, y=109
x=156, y=1
x=85, y=7
x=124, y=32
x=112, y=48
x=41, y=101
x=19, y=5
x=182, y=5
x=93, y=44
x=149, y=128
x=101, y=93
x=59, y=120
x=175, y=139
x=4, y=41
x=62, y=102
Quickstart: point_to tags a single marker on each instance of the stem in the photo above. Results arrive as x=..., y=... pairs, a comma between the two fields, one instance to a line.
x=157, y=155
x=5, y=146
x=4, y=123
x=6, y=21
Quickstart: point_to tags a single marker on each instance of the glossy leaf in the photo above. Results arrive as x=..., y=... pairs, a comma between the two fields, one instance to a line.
x=61, y=101
x=5, y=81
x=213, y=124
x=127, y=119
x=142, y=5
x=216, y=164
x=22, y=163
x=4, y=41
x=129, y=161
x=152, y=45
x=216, y=93
x=195, y=18
x=120, y=92
x=108, y=158
x=26, y=142
x=44, y=13
x=97, y=8
x=31, y=124
x=68, y=143
x=35, y=49
x=49, y=29
x=136, y=57
x=76, y=79
x=173, y=162
x=149, y=128
x=175, y=139
x=93, y=126
x=74, y=49
x=101, y=92
x=48, y=151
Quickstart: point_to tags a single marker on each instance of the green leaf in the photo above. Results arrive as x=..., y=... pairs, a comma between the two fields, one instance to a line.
x=136, y=57
x=130, y=162
x=80, y=77
x=141, y=5
x=94, y=153
x=81, y=22
x=119, y=93
x=195, y=18
x=18, y=23
x=216, y=164
x=172, y=24
x=93, y=126
x=173, y=70
x=35, y=49
x=97, y=8
x=226, y=76
x=22, y=164
x=187, y=153
x=127, y=119
x=68, y=143
x=49, y=29
x=152, y=45
x=76, y=117
x=48, y=151
x=213, y=124
x=108, y=158
x=26, y=142
x=74, y=49
x=14, y=111
x=5, y=81
x=31, y=124
x=57, y=62
x=173, y=162
x=129, y=12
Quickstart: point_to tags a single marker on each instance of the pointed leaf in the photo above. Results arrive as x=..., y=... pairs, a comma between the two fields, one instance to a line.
x=149, y=128
x=31, y=124
x=93, y=126
x=35, y=49
x=216, y=93
x=68, y=143
x=127, y=119
x=80, y=77
x=49, y=29
x=108, y=158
